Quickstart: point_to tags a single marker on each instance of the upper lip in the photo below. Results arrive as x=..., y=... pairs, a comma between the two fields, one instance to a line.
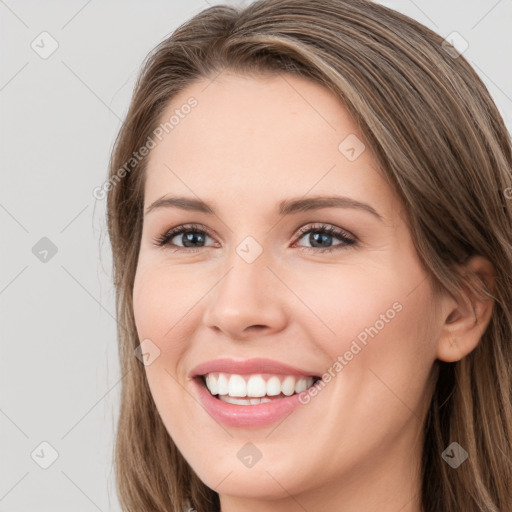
x=248, y=366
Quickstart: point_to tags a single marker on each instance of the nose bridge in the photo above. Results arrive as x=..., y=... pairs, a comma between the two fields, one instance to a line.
x=243, y=297
x=248, y=275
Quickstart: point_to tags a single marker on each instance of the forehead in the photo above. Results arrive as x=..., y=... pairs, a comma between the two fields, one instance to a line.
x=265, y=137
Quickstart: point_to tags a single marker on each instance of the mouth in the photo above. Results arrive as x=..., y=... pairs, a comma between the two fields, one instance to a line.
x=254, y=389
x=250, y=393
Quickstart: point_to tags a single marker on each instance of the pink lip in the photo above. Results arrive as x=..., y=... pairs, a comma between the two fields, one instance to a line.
x=249, y=366
x=246, y=415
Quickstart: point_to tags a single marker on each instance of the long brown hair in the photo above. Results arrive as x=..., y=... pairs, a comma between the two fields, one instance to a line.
x=442, y=145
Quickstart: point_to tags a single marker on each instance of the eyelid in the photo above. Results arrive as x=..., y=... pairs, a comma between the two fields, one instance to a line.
x=170, y=233
x=324, y=226
x=347, y=238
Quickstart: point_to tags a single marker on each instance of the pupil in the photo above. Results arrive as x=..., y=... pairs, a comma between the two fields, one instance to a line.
x=190, y=238
x=316, y=236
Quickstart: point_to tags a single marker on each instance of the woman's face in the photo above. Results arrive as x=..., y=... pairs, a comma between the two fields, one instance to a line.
x=259, y=279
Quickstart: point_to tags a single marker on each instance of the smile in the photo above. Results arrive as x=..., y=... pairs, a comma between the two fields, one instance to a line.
x=249, y=393
x=255, y=389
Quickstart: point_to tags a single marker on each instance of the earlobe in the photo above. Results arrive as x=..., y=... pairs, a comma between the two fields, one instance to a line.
x=467, y=317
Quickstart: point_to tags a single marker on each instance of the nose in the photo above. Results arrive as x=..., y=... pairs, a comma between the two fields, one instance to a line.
x=247, y=301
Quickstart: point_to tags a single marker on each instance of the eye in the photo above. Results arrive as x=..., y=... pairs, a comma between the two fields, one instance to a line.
x=190, y=234
x=320, y=237
x=323, y=234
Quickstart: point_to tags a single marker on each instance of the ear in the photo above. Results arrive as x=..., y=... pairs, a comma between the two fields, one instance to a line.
x=466, y=317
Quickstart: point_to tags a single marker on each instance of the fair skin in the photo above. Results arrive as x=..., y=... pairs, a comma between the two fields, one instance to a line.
x=356, y=446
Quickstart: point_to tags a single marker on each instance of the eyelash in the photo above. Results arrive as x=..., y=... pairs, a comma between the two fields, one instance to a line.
x=347, y=239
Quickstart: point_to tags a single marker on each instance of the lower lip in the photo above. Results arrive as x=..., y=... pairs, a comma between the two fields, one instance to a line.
x=234, y=415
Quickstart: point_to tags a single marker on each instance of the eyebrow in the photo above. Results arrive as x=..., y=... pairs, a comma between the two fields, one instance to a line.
x=286, y=207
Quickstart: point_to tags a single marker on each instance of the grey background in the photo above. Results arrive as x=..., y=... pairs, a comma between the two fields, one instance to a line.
x=59, y=374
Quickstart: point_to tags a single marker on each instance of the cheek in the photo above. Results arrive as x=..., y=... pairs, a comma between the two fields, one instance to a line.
x=346, y=302
x=387, y=350
x=376, y=325
x=160, y=306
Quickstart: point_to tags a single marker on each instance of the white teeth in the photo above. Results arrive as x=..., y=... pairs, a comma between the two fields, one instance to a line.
x=257, y=387
x=288, y=386
x=273, y=386
x=301, y=385
x=211, y=383
x=237, y=386
x=244, y=401
x=236, y=401
x=222, y=383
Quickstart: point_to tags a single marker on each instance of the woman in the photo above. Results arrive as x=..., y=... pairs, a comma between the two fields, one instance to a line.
x=309, y=209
